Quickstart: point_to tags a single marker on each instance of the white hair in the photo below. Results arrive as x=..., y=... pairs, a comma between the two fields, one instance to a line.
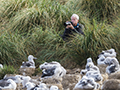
x=75, y=15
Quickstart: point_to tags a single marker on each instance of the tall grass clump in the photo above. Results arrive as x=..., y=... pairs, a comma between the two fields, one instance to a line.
x=7, y=69
x=116, y=25
x=24, y=20
x=53, y=14
x=61, y=1
x=10, y=7
x=101, y=9
x=12, y=50
x=23, y=15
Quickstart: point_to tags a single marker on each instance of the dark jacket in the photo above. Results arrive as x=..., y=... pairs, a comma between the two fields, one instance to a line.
x=68, y=31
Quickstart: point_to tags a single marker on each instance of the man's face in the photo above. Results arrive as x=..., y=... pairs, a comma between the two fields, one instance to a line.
x=74, y=20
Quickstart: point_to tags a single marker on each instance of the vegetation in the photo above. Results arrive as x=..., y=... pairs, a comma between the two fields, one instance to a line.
x=33, y=27
x=102, y=9
x=7, y=70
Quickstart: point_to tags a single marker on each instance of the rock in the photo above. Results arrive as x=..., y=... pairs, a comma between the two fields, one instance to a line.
x=73, y=71
x=69, y=80
x=52, y=80
x=111, y=84
x=114, y=75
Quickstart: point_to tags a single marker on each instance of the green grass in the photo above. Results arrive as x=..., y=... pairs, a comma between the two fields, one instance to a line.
x=101, y=9
x=33, y=27
x=7, y=69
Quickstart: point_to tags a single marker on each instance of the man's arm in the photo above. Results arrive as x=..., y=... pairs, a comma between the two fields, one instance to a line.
x=80, y=29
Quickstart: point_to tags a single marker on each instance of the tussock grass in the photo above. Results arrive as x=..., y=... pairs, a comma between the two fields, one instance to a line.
x=33, y=27
x=24, y=20
x=24, y=14
x=12, y=48
x=101, y=9
x=10, y=7
x=7, y=69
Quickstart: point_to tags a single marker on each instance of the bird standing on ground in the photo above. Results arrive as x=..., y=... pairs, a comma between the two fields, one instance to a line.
x=30, y=63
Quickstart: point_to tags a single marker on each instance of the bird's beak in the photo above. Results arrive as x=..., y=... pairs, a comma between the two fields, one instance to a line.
x=34, y=58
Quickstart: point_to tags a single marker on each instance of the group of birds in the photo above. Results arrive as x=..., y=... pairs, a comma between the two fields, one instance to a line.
x=12, y=82
x=91, y=75
x=109, y=59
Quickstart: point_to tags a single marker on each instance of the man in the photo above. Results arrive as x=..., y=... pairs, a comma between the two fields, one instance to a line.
x=72, y=27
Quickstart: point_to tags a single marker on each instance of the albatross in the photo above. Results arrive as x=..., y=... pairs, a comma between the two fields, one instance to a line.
x=30, y=63
x=8, y=84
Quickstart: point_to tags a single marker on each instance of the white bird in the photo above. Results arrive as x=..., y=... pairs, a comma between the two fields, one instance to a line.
x=113, y=65
x=1, y=66
x=83, y=71
x=95, y=75
x=16, y=79
x=30, y=63
x=49, y=65
x=42, y=86
x=29, y=86
x=25, y=80
x=89, y=63
x=100, y=60
x=90, y=66
x=87, y=83
x=32, y=86
x=53, y=87
x=48, y=72
x=8, y=84
x=108, y=53
x=52, y=69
